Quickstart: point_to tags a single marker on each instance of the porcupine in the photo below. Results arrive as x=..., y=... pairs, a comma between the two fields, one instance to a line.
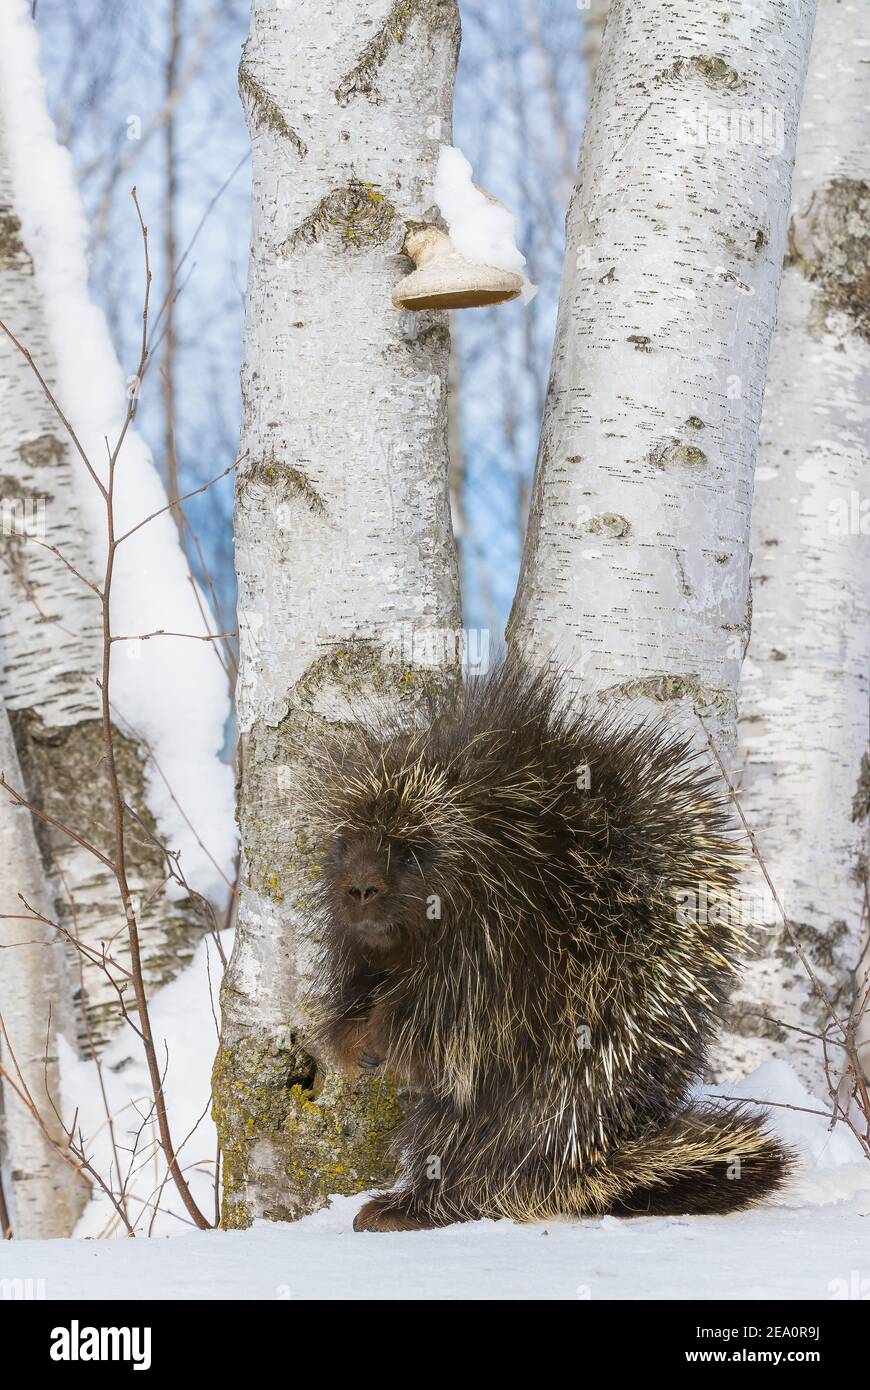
x=503, y=917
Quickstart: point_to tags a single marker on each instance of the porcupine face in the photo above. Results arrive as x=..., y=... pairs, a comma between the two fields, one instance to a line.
x=374, y=889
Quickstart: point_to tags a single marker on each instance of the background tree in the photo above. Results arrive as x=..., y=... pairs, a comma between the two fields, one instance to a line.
x=804, y=697
x=635, y=568
x=46, y=1196
x=343, y=539
x=52, y=637
x=146, y=95
x=520, y=101
x=595, y=18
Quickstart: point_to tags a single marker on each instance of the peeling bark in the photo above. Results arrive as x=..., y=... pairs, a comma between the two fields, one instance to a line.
x=804, y=701
x=675, y=246
x=343, y=533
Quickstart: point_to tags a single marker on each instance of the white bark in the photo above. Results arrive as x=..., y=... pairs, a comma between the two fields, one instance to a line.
x=50, y=655
x=804, y=700
x=343, y=536
x=635, y=570
x=45, y=1195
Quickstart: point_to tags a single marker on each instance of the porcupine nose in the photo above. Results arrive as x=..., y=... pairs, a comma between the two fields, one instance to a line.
x=363, y=893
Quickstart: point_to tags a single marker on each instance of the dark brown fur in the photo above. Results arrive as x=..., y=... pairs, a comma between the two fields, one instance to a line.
x=500, y=916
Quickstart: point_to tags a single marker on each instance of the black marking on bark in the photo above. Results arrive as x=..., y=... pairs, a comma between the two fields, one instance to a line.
x=745, y=1021
x=821, y=945
x=363, y=76
x=643, y=115
x=830, y=245
x=45, y=451
x=265, y=110
x=731, y=279
x=13, y=252
x=284, y=478
x=358, y=214
x=63, y=769
x=664, y=690
x=750, y=599
x=711, y=68
x=673, y=453
x=861, y=799
x=609, y=524
x=640, y=341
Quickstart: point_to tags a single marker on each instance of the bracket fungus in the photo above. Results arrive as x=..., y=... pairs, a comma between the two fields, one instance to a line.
x=445, y=279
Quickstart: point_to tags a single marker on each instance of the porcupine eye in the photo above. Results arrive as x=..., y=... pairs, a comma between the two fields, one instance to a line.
x=411, y=857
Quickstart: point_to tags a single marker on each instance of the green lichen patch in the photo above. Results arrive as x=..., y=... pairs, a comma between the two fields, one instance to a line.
x=830, y=244
x=251, y=1085
x=13, y=253
x=340, y=1140
x=357, y=217
x=265, y=111
x=362, y=79
x=331, y=1139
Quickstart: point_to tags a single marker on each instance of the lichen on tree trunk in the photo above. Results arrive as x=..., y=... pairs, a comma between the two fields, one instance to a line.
x=343, y=535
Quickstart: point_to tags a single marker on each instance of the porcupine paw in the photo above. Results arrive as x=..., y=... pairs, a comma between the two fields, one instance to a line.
x=389, y=1213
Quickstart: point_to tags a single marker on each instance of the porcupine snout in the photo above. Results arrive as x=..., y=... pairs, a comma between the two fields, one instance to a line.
x=363, y=883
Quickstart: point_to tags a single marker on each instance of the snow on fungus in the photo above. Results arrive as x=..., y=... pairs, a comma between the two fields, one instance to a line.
x=477, y=261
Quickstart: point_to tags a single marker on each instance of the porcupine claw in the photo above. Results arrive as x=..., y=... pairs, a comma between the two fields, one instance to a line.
x=388, y=1213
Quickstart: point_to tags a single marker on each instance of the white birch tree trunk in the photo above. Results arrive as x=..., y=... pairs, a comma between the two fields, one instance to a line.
x=804, y=702
x=50, y=655
x=46, y=1196
x=343, y=536
x=635, y=569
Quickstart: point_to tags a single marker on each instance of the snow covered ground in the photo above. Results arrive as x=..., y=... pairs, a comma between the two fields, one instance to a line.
x=812, y=1243
x=804, y=1252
